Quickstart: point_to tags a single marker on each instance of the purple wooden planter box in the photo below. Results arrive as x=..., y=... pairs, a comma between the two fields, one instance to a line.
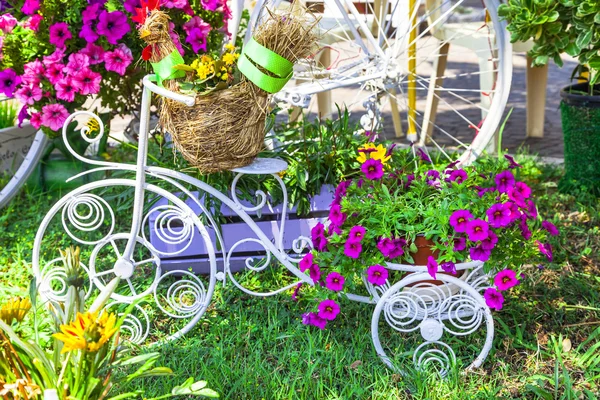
x=195, y=256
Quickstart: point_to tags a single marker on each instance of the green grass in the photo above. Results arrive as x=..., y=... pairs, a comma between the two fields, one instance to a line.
x=547, y=342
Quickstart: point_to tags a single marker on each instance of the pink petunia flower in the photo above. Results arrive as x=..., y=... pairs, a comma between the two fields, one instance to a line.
x=7, y=23
x=33, y=72
x=9, y=80
x=112, y=25
x=550, y=227
x=94, y=52
x=320, y=243
x=66, y=90
x=511, y=162
x=513, y=209
x=296, y=292
x=55, y=57
x=334, y=282
x=531, y=211
x=197, y=39
x=458, y=176
x=29, y=94
x=386, y=246
x=317, y=230
x=314, y=320
x=493, y=298
x=54, y=72
x=352, y=249
x=373, y=169
x=525, y=232
x=432, y=266
x=30, y=7
x=423, y=156
x=377, y=274
x=36, y=120
x=478, y=253
x=460, y=243
x=210, y=5
x=59, y=34
x=87, y=81
x=504, y=181
x=498, y=215
x=448, y=267
x=328, y=309
x=459, y=220
x=490, y=242
x=336, y=216
x=477, y=229
x=398, y=249
x=33, y=23
x=118, y=60
x=506, y=279
x=175, y=38
x=357, y=233
x=545, y=249
x=174, y=3
x=306, y=262
x=77, y=63
x=314, y=272
x=90, y=14
x=88, y=33
x=54, y=116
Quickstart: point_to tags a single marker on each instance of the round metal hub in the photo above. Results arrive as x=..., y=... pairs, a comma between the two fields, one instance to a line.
x=123, y=268
x=432, y=330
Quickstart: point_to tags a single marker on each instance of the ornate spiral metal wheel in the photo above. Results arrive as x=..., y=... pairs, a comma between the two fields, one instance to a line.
x=419, y=321
x=169, y=304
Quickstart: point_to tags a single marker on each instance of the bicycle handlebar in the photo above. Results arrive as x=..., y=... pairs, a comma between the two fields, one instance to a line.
x=147, y=82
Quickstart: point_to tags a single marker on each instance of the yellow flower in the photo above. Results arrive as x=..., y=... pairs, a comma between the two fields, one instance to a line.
x=93, y=126
x=206, y=59
x=369, y=150
x=195, y=64
x=225, y=77
x=15, y=309
x=89, y=331
x=228, y=58
x=230, y=47
x=203, y=71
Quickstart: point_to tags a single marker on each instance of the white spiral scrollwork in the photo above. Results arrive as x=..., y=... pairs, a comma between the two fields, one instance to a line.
x=478, y=279
x=184, y=297
x=259, y=194
x=462, y=313
x=251, y=261
x=299, y=246
x=53, y=283
x=404, y=310
x=136, y=325
x=436, y=356
x=86, y=213
x=172, y=226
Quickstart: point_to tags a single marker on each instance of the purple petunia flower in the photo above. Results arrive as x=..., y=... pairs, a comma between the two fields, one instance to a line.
x=545, y=249
x=328, y=309
x=459, y=220
x=493, y=298
x=131, y=5
x=460, y=243
x=210, y=5
x=490, y=242
x=296, y=292
x=336, y=216
x=550, y=227
x=397, y=250
x=432, y=266
x=352, y=249
x=477, y=229
x=385, y=246
x=340, y=191
x=306, y=262
x=432, y=174
x=118, y=60
x=112, y=25
x=94, y=52
x=28, y=94
x=449, y=267
x=314, y=320
x=504, y=181
x=77, y=63
x=531, y=211
x=506, y=279
x=334, y=282
x=317, y=230
x=30, y=7
x=512, y=163
x=90, y=14
x=525, y=232
x=9, y=80
x=423, y=156
x=88, y=33
x=377, y=274
x=498, y=215
x=409, y=179
x=87, y=81
x=59, y=34
x=197, y=39
x=373, y=169
x=314, y=271
x=320, y=243
x=458, y=176
x=478, y=253
x=23, y=115
x=522, y=189
x=514, y=211
x=357, y=233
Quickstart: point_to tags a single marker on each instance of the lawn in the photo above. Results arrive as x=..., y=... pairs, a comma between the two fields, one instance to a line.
x=547, y=342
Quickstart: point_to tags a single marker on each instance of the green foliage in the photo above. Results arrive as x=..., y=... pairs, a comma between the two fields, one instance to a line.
x=556, y=27
x=8, y=113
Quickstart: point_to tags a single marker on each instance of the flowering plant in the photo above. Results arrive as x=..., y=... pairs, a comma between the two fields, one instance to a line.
x=88, y=48
x=482, y=212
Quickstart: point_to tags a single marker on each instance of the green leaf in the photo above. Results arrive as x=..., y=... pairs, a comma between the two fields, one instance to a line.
x=572, y=49
x=183, y=67
x=584, y=39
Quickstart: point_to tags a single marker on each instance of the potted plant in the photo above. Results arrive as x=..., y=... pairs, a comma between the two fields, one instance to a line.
x=570, y=27
x=398, y=209
x=14, y=139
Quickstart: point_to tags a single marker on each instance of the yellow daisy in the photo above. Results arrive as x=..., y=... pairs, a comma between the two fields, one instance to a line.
x=15, y=309
x=369, y=151
x=89, y=331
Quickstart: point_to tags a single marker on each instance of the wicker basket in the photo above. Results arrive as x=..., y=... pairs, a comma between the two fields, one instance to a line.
x=222, y=131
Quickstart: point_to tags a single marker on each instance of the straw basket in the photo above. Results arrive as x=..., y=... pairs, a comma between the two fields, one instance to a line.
x=222, y=131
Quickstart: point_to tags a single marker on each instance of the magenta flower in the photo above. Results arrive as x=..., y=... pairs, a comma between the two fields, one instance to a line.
x=9, y=80
x=87, y=81
x=210, y=5
x=65, y=90
x=30, y=7
x=306, y=262
x=398, y=249
x=314, y=320
x=460, y=243
x=174, y=3
x=490, y=242
x=423, y=156
x=458, y=176
x=197, y=39
x=522, y=189
x=55, y=57
x=504, y=181
x=328, y=309
x=296, y=292
x=334, y=229
x=59, y=34
x=112, y=25
x=118, y=60
x=94, y=52
x=409, y=179
x=336, y=216
x=525, y=232
x=33, y=72
x=340, y=191
x=175, y=38
x=514, y=210
x=320, y=243
x=36, y=120
x=77, y=63
x=314, y=272
x=196, y=22
x=498, y=215
x=386, y=246
x=54, y=116
x=478, y=253
x=334, y=282
x=352, y=249
x=545, y=249
x=550, y=227
x=493, y=298
x=531, y=211
x=357, y=233
x=7, y=23
x=377, y=274
x=131, y=5
x=477, y=229
x=90, y=14
x=22, y=116
x=432, y=266
x=33, y=23
x=448, y=267
x=88, y=33
x=373, y=169
x=512, y=163
x=432, y=174
x=459, y=220
x=506, y=279
x=28, y=94
x=317, y=230
x=54, y=73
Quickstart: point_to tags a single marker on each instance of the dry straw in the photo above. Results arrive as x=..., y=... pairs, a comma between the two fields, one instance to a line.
x=226, y=129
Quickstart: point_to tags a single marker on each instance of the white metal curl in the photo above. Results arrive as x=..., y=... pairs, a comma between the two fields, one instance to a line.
x=462, y=313
x=403, y=311
x=91, y=220
x=135, y=328
x=168, y=215
x=184, y=298
x=259, y=194
x=52, y=283
x=436, y=355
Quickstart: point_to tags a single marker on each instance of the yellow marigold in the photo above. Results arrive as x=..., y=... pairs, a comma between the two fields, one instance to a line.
x=89, y=331
x=229, y=47
x=228, y=58
x=369, y=150
x=15, y=309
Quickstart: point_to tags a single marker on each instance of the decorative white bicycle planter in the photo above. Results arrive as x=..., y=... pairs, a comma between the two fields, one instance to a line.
x=455, y=309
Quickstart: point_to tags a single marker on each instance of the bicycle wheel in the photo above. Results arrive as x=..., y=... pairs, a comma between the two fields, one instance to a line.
x=441, y=69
